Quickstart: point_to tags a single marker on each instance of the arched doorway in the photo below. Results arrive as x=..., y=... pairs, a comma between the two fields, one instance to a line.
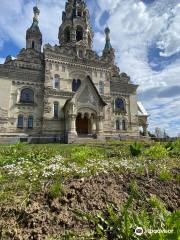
x=82, y=124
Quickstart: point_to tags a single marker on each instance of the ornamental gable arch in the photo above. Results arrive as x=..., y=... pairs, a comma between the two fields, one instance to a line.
x=87, y=97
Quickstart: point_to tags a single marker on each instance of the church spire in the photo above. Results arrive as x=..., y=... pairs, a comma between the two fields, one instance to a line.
x=108, y=41
x=33, y=34
x=108, y=52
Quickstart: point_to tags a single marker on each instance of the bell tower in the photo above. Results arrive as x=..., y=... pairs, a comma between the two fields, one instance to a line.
x=33, y=34
x=75, y=27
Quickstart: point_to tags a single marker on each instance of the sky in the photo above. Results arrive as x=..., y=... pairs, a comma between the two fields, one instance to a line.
x=144, y=33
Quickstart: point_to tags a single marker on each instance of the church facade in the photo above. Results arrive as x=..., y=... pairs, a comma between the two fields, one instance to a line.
x=67, y=91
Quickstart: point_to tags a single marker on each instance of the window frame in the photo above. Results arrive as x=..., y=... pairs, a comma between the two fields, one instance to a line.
x=56, y=110
x=101, y=87
x=30, y=122
x=20, y=117
x=24, y=99
x=121, y=108
x=76, y=83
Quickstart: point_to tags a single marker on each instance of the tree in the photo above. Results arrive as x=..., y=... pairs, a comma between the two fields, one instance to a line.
x=159, y=133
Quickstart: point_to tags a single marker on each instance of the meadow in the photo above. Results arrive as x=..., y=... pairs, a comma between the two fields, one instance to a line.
x=94, y=191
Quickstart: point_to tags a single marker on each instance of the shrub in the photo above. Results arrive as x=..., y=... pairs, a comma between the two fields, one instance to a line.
x=136, y=149
x=156, y=152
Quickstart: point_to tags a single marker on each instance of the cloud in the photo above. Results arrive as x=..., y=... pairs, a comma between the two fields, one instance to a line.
x=2, y=60
x=17, y=17
x=137, y=27
x=170, y=92
x=169, y=41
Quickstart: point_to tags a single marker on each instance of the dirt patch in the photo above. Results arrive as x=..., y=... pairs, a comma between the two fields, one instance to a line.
x=45, y=216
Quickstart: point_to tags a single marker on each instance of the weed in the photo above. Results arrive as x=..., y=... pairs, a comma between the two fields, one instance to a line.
x=55, y=190
x=156, y=152
x=136, y=149
x=165, y=175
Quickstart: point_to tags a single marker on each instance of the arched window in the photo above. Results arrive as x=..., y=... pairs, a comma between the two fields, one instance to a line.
x=89, y=41
x=56, y=109
x=50, y=66
x=117, y=125
x=57, y=67
x=33, y=44
x=20, y=121
x=119, y=104
x=124, y=127
x=79, y=33
x=76, y=84
x=101, y=87
x=80, y=53
x=67, y=35
x=27, y=96
x=79, y=13
x=30, y=122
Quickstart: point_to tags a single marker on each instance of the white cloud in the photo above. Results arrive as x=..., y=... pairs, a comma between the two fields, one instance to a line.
x=2, y=60
x=136, y=26
x=170, y=38
x=17, y=17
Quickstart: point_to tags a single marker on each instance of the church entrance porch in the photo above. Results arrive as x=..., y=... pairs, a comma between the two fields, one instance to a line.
x=82, y=124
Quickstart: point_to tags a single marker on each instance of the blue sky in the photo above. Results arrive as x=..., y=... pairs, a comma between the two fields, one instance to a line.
x=145, y=34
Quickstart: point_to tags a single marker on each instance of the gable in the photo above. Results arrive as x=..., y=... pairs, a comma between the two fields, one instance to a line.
x=88, y=94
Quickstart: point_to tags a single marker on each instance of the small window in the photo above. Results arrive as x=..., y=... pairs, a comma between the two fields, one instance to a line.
x=27, y=96
x=63, y=69
x=20, y=122
x=56, y=83
x=124, y=127
x=50, y=66
x=80, y=53
x=30, y=122
x=117, y=125
x=76, y=84
x=33, y=44
x=67, y=35
x=79, y=13
x=57, y=67
x=95, y=73
x=119, y=104
x=79, y=33
x=56, y=110
x=101, y=87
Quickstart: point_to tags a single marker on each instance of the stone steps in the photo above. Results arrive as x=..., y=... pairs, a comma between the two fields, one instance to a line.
x=9, y=140
x=82, y=140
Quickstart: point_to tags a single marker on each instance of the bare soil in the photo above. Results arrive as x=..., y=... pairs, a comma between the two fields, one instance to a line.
x=45, y=216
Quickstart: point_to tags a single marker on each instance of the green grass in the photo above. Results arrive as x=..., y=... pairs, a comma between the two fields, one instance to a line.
x=26, y=169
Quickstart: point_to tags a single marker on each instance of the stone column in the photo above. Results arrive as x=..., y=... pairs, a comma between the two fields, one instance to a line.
x=145, y=132
x=99, y=128
x=72, y=124
x=93, y=126
x=73, y=35
x=72, y=134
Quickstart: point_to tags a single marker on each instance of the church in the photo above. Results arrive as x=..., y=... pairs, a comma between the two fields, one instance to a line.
x=67, y=92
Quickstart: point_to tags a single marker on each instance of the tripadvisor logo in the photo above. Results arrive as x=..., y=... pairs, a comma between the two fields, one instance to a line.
x=139, y=231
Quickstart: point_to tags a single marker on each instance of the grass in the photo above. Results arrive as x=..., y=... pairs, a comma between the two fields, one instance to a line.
x=26, y=169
